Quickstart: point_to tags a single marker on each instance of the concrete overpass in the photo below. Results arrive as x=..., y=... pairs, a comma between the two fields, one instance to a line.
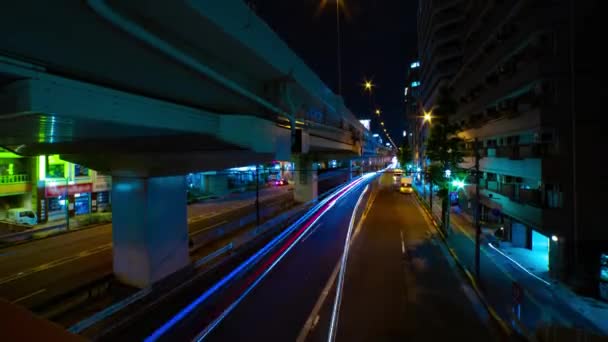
x=149, y=91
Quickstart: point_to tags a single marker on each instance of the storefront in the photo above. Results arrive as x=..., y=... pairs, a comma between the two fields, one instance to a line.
x=100, y=198
x=76, y=196
x=82, y=203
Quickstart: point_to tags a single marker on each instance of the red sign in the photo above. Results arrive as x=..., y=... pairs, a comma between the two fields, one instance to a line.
x=59, y=190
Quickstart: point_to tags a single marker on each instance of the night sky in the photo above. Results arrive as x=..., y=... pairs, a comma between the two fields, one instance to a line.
x=378, y=42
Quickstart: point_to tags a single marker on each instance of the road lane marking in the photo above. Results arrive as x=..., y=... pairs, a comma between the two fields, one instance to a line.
x=313, y=318
x=28, y=296
x=317, y=226
x=309, y=219
x=108, y=311
x=208, y=227
x=314, y=315
x=402, y=242
x=364, y=216
x=333, y=328
x=520, y=266
x=55, y=263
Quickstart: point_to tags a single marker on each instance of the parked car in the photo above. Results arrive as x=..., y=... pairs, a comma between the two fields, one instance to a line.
x=22, y=216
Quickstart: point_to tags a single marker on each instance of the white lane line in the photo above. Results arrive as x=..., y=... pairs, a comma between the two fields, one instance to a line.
x=333, y=328
x=55, y=263
x=28, y=296
x=314, y=315
x=314, y=323
x=520, y=266
x=208, y=227
x=313, y=318
x=402, y=242
x=312, y=231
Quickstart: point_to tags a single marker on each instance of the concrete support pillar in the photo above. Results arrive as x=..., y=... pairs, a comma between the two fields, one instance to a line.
x=305, y=179
x=149, y=228
x=350, y=169
x=217, y=184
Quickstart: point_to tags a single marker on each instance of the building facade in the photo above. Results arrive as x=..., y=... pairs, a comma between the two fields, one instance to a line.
x=51, y=187
x=412, y=96
x=510, y=66
x=440, y=26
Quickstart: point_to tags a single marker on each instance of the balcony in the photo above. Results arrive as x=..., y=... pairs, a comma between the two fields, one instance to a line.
x=14, y=179
x=514, y=192
x=499, y=96
x=15, y=185
x=512, y=200
x=478, y=63
x=497, y=17
x=518, y=152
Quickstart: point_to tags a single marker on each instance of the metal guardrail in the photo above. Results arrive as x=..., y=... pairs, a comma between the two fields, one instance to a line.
x=14, y=179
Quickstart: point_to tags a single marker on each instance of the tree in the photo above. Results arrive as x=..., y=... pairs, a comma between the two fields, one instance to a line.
x=405, y=155
x=444, y=149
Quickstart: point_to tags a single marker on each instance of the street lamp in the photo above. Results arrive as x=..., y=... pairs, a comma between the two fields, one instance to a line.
x=368, y=85
x=427, y=116
x=458, y=184
x=378, y=111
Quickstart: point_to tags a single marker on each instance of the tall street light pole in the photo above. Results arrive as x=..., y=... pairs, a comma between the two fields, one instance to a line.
x=339, y=48
x=477, y=209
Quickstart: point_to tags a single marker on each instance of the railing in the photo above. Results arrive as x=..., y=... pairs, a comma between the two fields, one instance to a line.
x=12, y=179
x=513, y=192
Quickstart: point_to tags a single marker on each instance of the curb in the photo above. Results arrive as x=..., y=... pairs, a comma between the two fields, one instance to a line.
x=491, y=311
x=41, y=230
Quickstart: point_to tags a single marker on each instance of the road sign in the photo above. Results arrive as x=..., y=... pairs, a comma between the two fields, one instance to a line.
x=518, y=293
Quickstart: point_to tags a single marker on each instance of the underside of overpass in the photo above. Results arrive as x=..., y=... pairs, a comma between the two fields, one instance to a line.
x=150, y=91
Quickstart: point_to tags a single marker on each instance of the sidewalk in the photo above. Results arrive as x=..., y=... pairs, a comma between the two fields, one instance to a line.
x=594, y=310
x=196, y=211
x=545, y=303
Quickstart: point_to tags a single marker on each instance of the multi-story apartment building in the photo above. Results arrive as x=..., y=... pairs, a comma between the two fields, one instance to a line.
x=440, y=27
x=46, y=184
x=412, y=94
x=510, y=66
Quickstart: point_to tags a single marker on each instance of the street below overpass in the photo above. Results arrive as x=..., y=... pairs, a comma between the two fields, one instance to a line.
x=397, y=283
x=34, y=272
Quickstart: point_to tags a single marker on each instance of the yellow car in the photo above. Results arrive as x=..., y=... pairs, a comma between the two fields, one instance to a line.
x=406, y=189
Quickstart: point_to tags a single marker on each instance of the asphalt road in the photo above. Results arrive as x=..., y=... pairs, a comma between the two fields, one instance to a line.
x=399, y=283
x=34, y=272
x=388, y=294
x=303, y=256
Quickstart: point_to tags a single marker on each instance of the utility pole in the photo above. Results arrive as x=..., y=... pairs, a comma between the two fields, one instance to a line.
x=257, y=197
x=67, y=203
x=477, y=209
x=431, y=194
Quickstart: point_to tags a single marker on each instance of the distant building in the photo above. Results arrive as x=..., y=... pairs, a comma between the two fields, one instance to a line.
x=411, y=97
x=509, y=65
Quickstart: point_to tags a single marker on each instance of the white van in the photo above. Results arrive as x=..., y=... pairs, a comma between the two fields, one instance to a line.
x=22, y=216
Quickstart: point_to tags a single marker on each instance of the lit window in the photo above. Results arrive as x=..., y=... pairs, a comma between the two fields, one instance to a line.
x=415, y=65
x=415, y=84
